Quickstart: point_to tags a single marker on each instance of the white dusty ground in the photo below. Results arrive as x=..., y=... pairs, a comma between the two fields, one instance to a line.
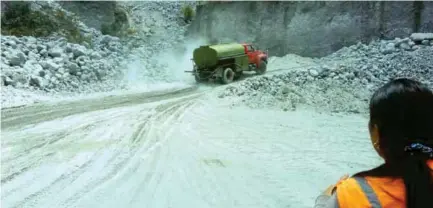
x=186, y=149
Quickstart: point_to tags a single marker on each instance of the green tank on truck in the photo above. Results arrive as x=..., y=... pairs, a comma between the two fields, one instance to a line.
x=225, y=62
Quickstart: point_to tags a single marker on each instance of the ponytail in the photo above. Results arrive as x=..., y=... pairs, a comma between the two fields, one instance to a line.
x=417, y=176
x=415, y=172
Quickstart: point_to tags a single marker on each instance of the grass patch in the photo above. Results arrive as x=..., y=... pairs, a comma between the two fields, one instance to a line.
x=119, y=27
x=19, y=20
x=188, y=13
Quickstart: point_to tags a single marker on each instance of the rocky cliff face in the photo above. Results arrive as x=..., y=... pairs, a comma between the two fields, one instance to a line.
x=310, y=28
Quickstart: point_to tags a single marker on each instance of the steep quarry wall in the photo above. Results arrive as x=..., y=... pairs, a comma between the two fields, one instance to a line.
x=309, y=28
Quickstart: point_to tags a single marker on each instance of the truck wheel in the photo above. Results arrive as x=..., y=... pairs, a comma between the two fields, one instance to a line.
x=228, y=76
x=262, y=67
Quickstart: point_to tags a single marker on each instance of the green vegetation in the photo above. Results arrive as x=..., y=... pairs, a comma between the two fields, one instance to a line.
x=119, y=27
x=188, y=13
x=20, y=20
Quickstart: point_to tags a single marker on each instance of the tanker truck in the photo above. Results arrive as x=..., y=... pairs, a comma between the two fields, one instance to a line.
x=227, y=62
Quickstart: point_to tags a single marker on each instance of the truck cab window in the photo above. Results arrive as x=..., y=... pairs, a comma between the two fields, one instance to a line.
x=250, y=48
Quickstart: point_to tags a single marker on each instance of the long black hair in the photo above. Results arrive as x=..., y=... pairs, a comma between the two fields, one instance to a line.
x=402, y=110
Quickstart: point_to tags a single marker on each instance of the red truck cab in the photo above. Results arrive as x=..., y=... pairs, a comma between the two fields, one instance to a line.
x=255, y=56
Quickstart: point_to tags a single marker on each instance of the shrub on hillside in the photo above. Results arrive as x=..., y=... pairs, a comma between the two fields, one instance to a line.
x=120, y=26
x=20, y=20
x=188, y=13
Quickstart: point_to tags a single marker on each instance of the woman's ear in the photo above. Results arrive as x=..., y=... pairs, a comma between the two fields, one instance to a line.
x=374, y=136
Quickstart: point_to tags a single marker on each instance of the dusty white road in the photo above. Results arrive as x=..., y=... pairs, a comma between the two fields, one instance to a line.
x=175, y=149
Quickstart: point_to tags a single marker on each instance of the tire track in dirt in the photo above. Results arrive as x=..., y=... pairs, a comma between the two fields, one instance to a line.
x=122, y=151
x=64, y=178
x=18, y=117
x=40, y=148
x=151, y=142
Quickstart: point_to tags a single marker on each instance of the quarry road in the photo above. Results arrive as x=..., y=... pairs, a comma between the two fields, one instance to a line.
x=183, y=148
x=16, y=117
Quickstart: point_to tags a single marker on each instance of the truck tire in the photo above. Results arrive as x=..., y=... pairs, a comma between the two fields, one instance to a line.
x=228, y=76
x=262, y=67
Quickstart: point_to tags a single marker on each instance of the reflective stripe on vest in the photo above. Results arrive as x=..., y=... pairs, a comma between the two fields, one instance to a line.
x=369, y=192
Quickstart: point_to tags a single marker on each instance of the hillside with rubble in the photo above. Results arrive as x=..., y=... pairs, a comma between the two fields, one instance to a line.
x=97, y=111
x=143, y=44
x=69, y=58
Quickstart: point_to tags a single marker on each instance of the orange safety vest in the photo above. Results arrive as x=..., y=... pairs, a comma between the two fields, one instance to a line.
x=372, y=192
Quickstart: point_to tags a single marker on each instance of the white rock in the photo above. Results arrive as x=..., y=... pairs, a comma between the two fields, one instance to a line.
x=50, y=65
x=74, y=84
x=421, y=36
x=38, y=82
x=17, y=58
x=95, y=55
x=56, y=52
x=73, y=68
x=21, y=78
x=41, y=47
x=313, y=72
x=43, y=52
x=405, y=46
x=411, y=43
x=68, y=48
x=61, y=70
x=31, y=40
x=11, y=43
x=107, y=39
x=34, y=56
x=38, y=67
x=79, y=50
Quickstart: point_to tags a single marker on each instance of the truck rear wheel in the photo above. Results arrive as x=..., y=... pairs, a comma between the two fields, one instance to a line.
x=262, y=67
x=228, y=76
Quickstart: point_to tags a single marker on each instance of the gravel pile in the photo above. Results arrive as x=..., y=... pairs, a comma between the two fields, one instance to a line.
x=343, y=81
x=56, y=65
x=53, y=66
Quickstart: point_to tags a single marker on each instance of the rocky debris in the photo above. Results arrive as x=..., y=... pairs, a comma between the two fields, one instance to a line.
x=16, y=58
x=40, y=64
x=53, y=65
x=342, y=82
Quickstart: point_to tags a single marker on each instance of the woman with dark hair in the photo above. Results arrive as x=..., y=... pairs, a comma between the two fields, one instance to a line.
x=401, y=131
